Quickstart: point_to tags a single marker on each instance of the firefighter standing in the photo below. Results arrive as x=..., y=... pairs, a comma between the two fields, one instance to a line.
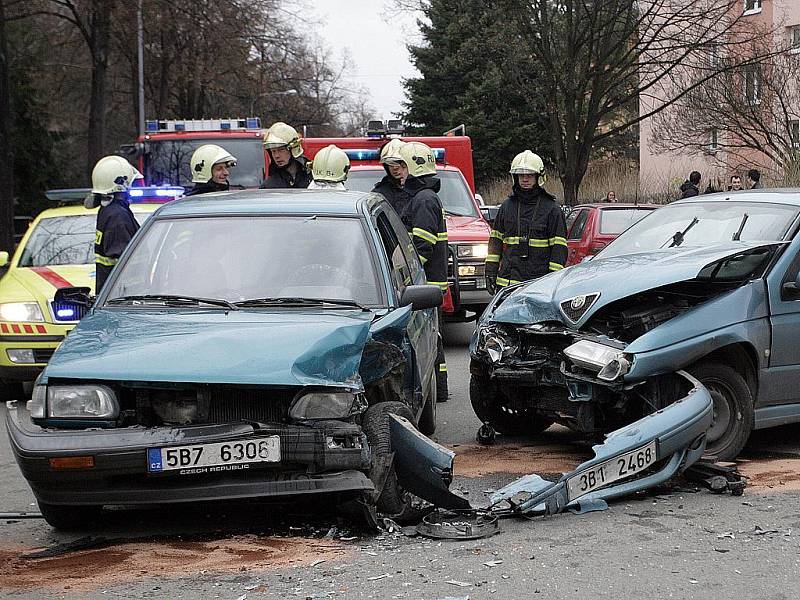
x=288, y=168
x=391, y=186
x=112, y=177
x=329, y=169
x=210, y=166
x=428, y=231
x=528, y=236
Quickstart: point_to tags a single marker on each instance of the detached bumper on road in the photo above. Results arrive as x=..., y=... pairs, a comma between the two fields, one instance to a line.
x=311, y=462
x=677, y=432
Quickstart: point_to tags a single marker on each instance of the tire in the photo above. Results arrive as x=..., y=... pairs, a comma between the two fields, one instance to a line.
x=68, y=518
x=489, y=405
x=733, y=410
x=393, y=500
x=427, y=420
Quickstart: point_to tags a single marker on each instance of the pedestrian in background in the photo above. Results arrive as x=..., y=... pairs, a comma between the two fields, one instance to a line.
x=288, y=167
x=754, y=178
x=210, y=165
x=691, y=187
x=735, y=184
x=611, y=196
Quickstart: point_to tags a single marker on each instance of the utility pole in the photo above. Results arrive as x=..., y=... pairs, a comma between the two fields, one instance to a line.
x=141, y=67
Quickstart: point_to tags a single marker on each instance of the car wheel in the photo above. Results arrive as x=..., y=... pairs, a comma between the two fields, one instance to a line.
x=489, y=405
x=393, y=500
x=69, y=518
x=733, y=410
x=427, y=421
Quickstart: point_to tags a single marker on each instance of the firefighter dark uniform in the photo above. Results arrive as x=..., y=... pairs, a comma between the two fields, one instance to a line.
x=295, y=174
x=428, y=232
x=390, y=188
x=202, y=164
x=116, y=225
x=528, y=238
x=207, y=188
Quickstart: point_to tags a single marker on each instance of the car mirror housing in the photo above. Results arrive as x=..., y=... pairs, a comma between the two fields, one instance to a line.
x=490, y=213
x=76, y=296
x=420, y=297
x=3, y=258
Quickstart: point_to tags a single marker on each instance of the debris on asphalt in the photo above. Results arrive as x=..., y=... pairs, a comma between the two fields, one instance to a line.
x=377, y=577
x=458, y=583
x=493, y=563
x=458, y=525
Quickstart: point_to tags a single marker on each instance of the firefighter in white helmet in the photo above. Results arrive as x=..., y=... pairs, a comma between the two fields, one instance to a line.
x=329, y=169
x=528, y=238
x=112, y=177
x=391, y=186
x=288, y=168
x=210, y=166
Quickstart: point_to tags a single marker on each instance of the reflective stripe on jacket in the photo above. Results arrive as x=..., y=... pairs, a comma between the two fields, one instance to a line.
x=427, y=227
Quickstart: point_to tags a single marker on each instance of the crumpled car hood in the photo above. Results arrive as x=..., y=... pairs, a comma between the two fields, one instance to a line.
x=282, y=347
x=613, y=278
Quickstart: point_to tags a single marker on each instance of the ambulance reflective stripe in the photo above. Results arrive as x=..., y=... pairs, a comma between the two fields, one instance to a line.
x=425, y=235
x=51, y=277
x=22, y=328
x=105, y=260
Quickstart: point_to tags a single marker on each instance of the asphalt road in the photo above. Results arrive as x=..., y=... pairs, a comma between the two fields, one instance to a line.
x=676, y=543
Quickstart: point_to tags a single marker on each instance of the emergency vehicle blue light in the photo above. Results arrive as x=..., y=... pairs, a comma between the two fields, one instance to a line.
x=180, y=126
x=253, y=123
x=365, y=154
x=135, y=193
x=225, y=126
x=65, y=313
x=438, y=154
x=151, y=126
x=155, y=193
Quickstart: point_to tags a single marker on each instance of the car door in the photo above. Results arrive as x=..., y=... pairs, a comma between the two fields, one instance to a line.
x=576, y=225
x=422, y=327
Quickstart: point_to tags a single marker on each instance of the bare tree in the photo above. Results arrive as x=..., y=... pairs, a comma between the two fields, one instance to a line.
x=6, y=149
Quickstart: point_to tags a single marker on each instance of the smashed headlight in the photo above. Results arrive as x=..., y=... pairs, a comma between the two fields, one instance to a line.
x=81, y=402
x=327, y=405
x=609, y=361
x=497, y=344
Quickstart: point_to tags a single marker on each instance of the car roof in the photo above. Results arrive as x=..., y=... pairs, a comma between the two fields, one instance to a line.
x=270, y=202
x=790, y=196
x=74, y=210
x=363, y=167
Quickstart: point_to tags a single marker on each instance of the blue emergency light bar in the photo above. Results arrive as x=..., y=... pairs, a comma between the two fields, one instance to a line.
x=374, y=154
x=156, y=126
x=148, y=194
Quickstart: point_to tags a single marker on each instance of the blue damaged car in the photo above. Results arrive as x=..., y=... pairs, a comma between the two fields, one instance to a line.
x=708, y=286
x=248, y=344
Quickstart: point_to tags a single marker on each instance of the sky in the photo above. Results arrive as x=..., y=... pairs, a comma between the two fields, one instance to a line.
x=378, y=56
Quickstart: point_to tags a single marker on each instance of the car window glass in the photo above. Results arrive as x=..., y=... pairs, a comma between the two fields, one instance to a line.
x=240, y=258
x=401, y=275
x=614, y=221
x=406, y=245
x=576, y=232
x=570, y=218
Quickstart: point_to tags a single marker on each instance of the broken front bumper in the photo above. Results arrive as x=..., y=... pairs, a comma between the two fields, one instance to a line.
x=312, y=461
x=675, y=433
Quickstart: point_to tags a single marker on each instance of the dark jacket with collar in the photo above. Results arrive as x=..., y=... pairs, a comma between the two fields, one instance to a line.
x=399, y=198
x=116, y=225
x=208, y=187
x=281, y=177
x=427, y=226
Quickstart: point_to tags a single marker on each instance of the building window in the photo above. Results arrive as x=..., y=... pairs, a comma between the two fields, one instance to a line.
x=794, y=128
x=752, y=84
x=794, y=39
x=752, y=7
x=713, y=140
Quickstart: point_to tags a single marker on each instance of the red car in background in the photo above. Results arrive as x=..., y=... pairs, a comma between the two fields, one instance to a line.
x=591, y=227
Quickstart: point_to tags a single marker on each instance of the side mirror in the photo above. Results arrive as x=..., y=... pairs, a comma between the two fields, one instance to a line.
x=420, y=297
x=3, y=258
x=490, y=213
x=479, y=198
x=75, y=296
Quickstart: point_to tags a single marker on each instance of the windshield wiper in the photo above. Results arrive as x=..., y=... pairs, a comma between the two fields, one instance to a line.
x=290, y=300
x=738, y=235
x=679, y=236
x=174, y=299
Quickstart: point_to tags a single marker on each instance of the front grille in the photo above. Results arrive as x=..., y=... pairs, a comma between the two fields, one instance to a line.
x=575, y=308
x=228, y=404
x=42, y=355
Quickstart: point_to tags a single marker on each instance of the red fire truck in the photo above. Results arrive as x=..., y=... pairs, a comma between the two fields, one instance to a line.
x=163, y=152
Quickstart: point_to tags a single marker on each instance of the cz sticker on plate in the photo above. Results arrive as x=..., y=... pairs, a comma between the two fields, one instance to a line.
x=614, y=469
x=214, y=458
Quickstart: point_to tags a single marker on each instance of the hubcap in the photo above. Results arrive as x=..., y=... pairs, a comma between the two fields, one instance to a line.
x=722, y=411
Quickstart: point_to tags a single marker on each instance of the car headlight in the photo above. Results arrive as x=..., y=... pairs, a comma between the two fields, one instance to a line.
x=36, y=404
x=473, y=250
x=81, y=402
x=497, y=344
x=20, y=311
x=327, y=405
x=610, y=362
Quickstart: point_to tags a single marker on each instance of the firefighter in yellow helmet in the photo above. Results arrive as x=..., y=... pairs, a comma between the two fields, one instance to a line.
x=528, y=236
x=210, y=166
x=428, y=231
x=329, y=169
x=288, y=168
x=112, y=177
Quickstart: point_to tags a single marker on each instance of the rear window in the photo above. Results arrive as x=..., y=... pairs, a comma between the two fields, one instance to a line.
x=615, y=221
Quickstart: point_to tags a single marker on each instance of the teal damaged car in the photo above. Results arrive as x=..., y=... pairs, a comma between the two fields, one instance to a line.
x=708, y=286
x=248, y=344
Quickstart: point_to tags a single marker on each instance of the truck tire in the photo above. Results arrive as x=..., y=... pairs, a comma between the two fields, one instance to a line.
x=488, y=405
x=733, y=409
x=393, y=500
x=69, y=518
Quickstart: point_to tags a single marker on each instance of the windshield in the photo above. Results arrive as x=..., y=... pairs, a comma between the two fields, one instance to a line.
x=455, y=195
x=699, y=224
x=614, y=221
x=63, y=241
x=249, y=258
x=167, y=161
